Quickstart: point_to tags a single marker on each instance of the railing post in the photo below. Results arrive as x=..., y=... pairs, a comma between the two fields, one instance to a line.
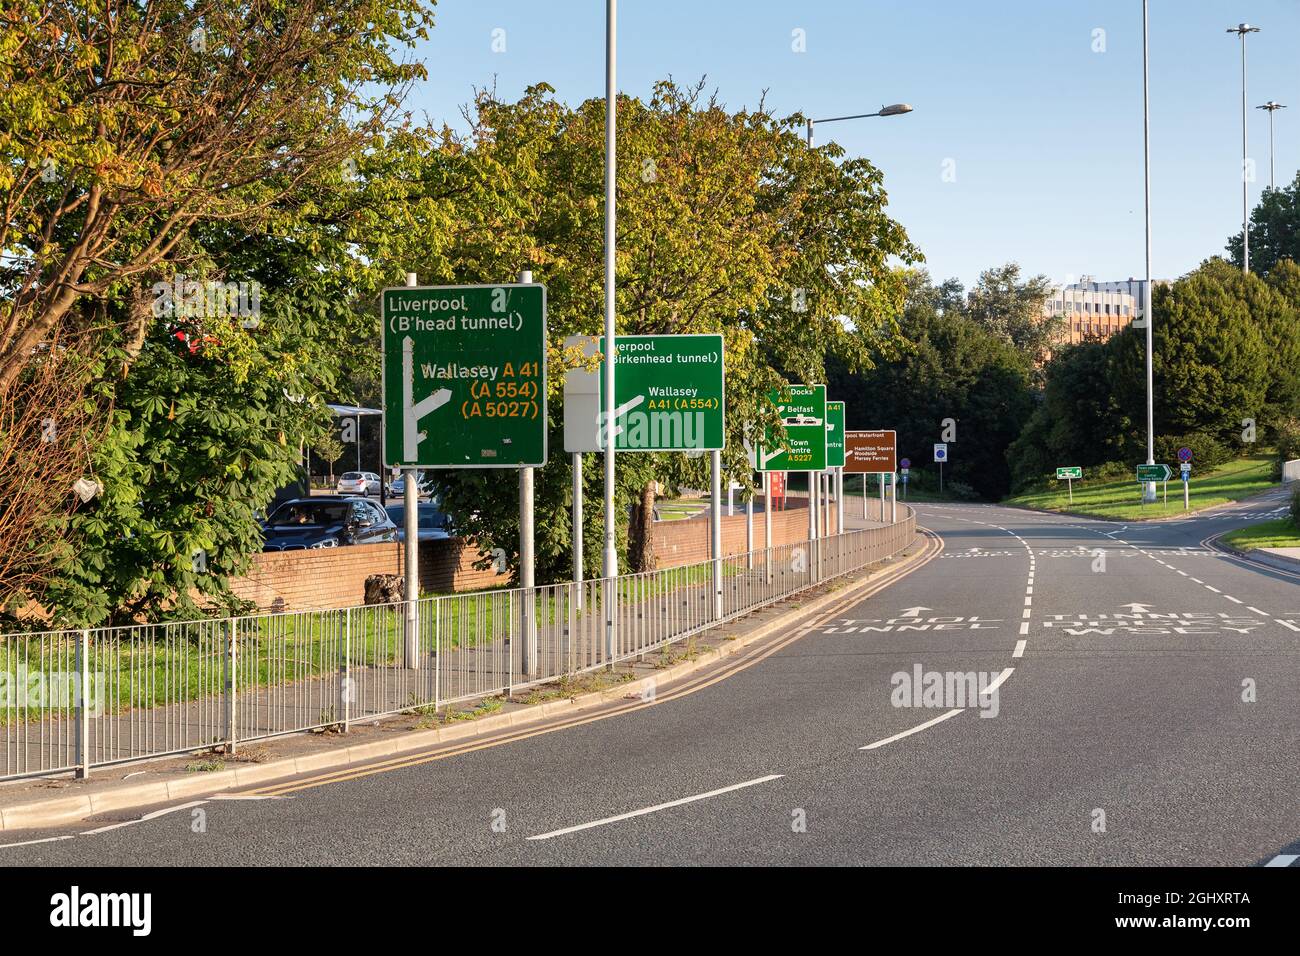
x=83, y=714
x=231, y=683
x=345, y=672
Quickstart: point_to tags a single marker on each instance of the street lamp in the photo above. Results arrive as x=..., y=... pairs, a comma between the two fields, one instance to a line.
x=895, y=109
x=1149, y=488
x=1241, y=29
x=1272, y=108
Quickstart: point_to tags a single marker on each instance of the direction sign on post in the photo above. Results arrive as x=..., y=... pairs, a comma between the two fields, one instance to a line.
x=802, y=409
x=669, y=395
x=464, y=376
x=1070, y=472
x=1147, y=473
x=871, y=452
x=834, y=434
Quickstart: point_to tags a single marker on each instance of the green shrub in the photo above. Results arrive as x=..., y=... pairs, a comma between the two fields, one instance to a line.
x=1295, y=505
x=1207, y=450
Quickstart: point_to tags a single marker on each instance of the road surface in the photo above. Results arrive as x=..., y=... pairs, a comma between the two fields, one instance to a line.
x=1142, y=708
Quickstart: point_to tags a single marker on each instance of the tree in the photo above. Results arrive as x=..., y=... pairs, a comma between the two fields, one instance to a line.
x=1012, y=309
x=128, y=124
x=330, y=449
x=1274, y=230
x=950, y=367
x=727, y=223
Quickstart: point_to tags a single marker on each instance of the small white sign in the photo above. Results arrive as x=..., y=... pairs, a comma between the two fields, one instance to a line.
x=940, y=451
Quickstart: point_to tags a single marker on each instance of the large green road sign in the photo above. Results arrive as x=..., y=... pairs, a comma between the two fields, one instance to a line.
x=668, y=393
x=1153, y=473
x=834, y=434
x=464, y=376
x=802, y=409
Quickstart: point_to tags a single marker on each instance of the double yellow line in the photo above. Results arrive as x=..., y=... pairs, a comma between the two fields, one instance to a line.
x=934, y=545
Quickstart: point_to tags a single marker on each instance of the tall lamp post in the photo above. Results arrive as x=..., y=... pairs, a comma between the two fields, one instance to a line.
x=1241, y=29
x=609, y=562
x=896, y=109
x=1272, y=108
x=1148, y=489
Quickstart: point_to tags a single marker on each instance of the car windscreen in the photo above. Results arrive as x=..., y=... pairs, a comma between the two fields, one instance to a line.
x=309, y=513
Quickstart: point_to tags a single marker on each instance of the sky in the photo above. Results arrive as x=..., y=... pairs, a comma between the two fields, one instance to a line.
x=1026, y=140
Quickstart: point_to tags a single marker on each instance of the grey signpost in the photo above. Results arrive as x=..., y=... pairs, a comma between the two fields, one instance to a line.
x=1068, y=474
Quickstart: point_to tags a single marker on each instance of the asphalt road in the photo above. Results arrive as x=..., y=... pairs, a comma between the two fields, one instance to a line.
x=1143, y=709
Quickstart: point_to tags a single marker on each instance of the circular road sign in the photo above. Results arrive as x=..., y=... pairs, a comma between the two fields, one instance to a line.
x=1184, y=454
x=905, y=463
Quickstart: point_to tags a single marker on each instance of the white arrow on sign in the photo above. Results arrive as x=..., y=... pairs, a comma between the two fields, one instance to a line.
x=1137, y=608
x=413, y=411
x=915, y=611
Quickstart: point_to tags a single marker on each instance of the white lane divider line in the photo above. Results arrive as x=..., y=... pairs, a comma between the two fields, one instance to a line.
x=1020, y=649
x=1209, y=587
x=1283, y=859
x=1233, y=599
x=53, y=839
x=915, y=730
x=1024, y=627
x=148, y=816
x=1257, y=610
x=998, y=681
x=657, y=807
x=1286, y=624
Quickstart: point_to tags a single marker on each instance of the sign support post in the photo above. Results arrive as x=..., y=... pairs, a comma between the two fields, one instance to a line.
x=411, y=584
x=749, y=528
x=578, y=574
x=839, y=497
x=715, y=529
x=893, y=501
x=527, y=564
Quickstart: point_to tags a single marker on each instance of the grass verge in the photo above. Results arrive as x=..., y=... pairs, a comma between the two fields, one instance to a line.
x=1282, y=533
x=1122, y=498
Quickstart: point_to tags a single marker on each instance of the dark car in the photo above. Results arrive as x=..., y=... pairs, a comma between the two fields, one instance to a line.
x=326, y=521
x=434, y=524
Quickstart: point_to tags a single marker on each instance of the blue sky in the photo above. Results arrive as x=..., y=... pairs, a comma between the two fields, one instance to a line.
x=1044, y=134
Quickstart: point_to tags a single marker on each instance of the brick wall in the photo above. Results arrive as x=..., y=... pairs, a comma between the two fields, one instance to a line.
x=687, y=541
x=336, y=577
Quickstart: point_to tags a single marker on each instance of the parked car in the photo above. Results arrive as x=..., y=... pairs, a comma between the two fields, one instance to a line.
x=358, y=483
x=326, y=521
x=434, y=523
x=423, y=484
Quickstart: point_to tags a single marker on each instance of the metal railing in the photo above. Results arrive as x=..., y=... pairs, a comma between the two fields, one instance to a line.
x=73, y=700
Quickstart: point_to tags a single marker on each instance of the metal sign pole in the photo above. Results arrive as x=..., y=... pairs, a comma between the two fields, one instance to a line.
x=893, y=501
x=411, y=584
x=578, y=574
x=526, y=560
x=715, y=529
x=839, y=498
x=767, y=523
x=749, y=528
x=610, y=561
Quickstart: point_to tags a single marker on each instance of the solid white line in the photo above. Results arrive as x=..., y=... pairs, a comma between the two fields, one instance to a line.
x=6, y=846
x=915, y=730
x=1006, y=672
x=1020, y=649
x=657, y=807
x=1283, y=859
x=1286, y=624
x=147, y=816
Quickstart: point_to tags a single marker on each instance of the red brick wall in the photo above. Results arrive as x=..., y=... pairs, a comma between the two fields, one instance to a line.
x=336, y=577
x=687, y=541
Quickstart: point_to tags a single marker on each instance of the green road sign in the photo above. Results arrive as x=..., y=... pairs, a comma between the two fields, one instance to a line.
x=464, y=376
x=1153, y=473
x=1069, y=472
x=802, y=409
x=668, y=393
x=834, y=434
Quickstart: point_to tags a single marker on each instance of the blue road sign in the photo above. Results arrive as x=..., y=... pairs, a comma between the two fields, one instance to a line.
x=1184, y=454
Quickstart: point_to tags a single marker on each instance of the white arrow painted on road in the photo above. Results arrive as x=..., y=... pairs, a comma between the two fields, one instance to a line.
x=1137, y=608
x=914, y=611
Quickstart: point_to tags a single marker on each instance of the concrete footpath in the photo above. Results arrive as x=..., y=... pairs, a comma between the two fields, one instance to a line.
x=61, y=799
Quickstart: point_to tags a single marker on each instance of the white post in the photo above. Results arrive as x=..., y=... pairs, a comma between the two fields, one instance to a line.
x=882, y=496
x=609, y=567
x=527, y=563
x=749, y=528
x=1187, y=500
x=82, y=755
x=767, y=523
x=865, y=476
x=839, y=499
x=1148, y=488
x=411, y=524
x=715, y=529
x=577, y=528
x=893, y=499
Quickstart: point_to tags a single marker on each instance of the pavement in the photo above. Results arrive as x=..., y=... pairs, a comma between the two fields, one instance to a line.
x=1132, y=700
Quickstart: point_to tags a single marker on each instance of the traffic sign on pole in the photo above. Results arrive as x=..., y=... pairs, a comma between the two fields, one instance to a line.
x=802, y=409
x=940, y=451
x=1147, y=473
x=1184, y=454
x=1063, y=474
x=464, y=376
x=834, y=434
x=871, y=452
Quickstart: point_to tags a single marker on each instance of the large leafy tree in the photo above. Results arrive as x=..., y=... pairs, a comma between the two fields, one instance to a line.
x=951, y=366
x=1274, y=230
x=1011, y=307
x=726, y=223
